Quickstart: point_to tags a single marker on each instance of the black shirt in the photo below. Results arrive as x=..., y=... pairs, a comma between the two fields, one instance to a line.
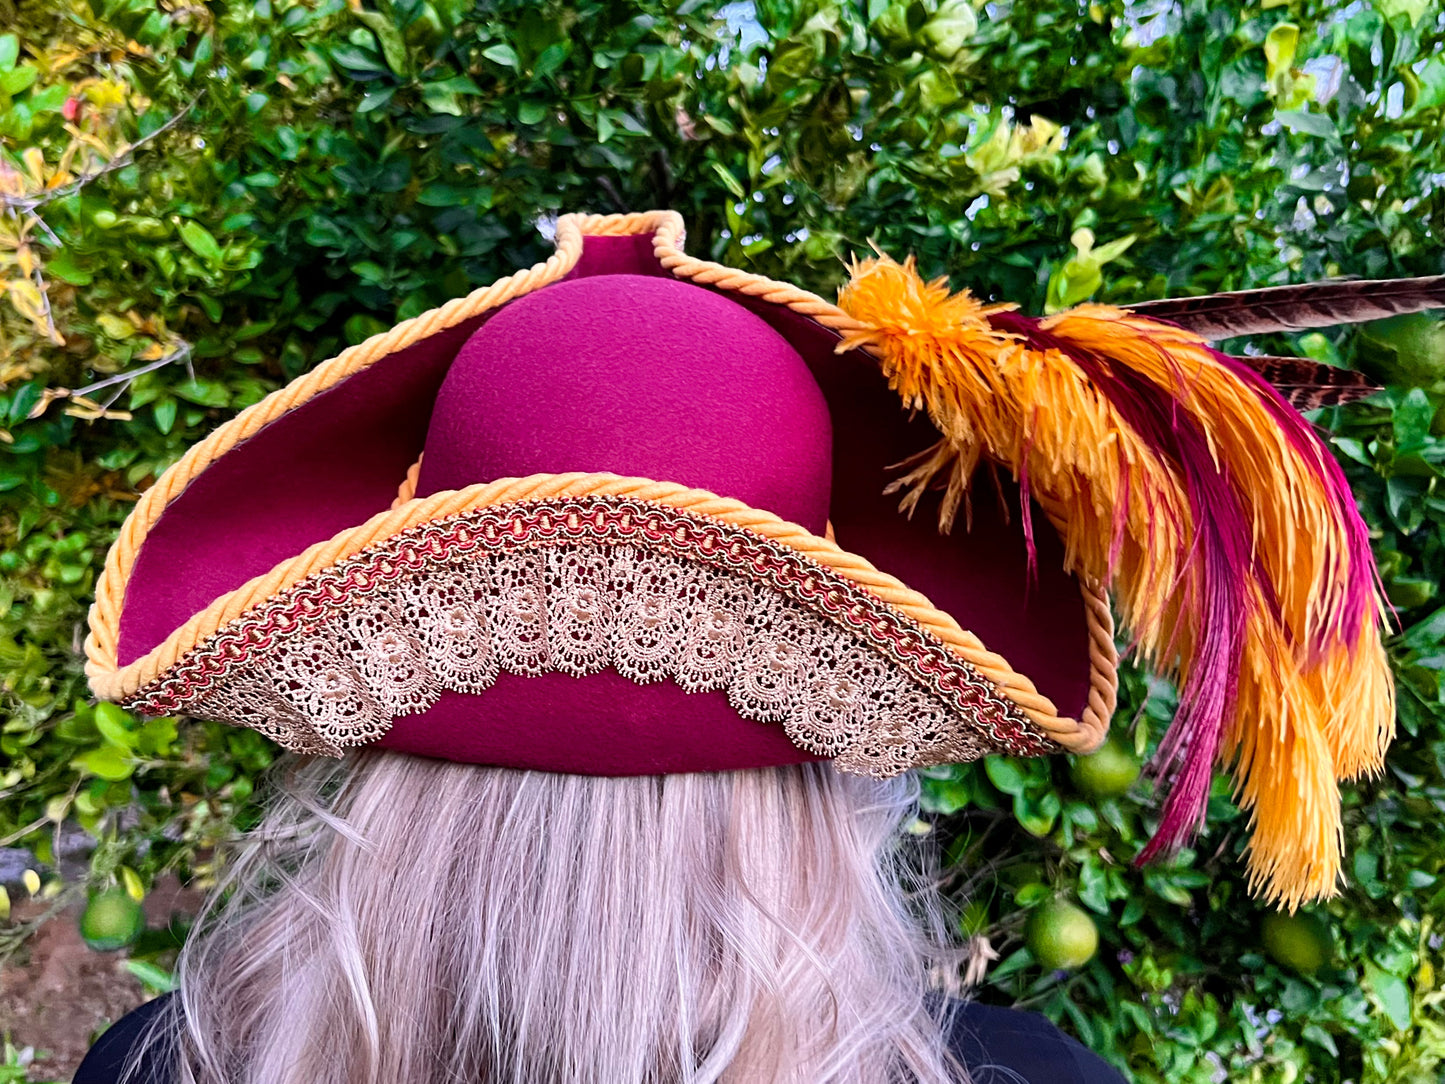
x=999, y=1046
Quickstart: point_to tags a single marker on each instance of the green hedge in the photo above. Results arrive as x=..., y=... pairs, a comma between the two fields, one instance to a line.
x=220, y=197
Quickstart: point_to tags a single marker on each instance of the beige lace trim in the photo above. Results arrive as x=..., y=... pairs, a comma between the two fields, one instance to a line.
x=578, y=610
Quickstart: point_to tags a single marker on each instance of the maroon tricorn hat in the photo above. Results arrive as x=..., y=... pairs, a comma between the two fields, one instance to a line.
x=627, y=512
x=621, y=513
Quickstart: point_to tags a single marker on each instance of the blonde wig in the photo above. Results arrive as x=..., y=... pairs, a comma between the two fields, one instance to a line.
x=396, y=918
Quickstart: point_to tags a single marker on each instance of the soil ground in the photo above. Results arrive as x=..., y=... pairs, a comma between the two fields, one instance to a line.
x=57, y=994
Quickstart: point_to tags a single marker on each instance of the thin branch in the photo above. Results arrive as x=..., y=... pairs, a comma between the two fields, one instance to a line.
x=51, y=395
x=44, y=291
x=120, y=161
x=49, y=233
x=21, y=833
x=618, y=203
x=175, y=355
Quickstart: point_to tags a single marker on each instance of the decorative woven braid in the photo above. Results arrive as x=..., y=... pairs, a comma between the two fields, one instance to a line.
x=1103, y=670
x=121, y=682
x=1093, y=724
x=104, y=639
x=110, y=681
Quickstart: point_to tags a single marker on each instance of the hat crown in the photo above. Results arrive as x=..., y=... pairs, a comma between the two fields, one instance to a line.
x=639, y=376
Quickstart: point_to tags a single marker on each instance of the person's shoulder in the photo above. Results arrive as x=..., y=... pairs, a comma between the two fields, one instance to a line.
x=107, y=1059
x=998, y=1045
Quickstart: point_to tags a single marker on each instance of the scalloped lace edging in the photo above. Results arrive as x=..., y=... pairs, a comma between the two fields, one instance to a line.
x=579, y=609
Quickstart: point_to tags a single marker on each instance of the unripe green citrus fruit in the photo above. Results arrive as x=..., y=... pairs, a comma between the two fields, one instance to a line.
x=1301, y=942
x=1061, y=936
x=1107, y=773
x=112, y=920
x=1408, y=350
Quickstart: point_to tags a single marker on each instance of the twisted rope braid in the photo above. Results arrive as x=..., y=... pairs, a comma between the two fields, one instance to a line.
x=110, y=588
x=1103, y=670
x=407, y=490
x=1093, y=724
x=110, y=681
x=413, y=513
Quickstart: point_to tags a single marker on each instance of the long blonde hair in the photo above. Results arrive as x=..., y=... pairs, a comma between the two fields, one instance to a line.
x=399, y=919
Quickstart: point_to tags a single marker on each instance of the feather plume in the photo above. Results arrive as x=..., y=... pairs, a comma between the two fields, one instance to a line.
x=1221, y=524
x=1308, y=385
x=1295, y=308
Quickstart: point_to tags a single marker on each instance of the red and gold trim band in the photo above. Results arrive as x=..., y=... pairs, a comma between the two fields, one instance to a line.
x=974, y=716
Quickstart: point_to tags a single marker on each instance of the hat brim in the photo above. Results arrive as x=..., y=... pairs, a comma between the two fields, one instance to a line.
x=304, y=480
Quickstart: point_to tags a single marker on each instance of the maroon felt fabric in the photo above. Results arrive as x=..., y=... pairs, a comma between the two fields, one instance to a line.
x=979, y=575
x=601, y=724
x=628, y=255
x=330, y=464
x=640, y=376
x=619, y=368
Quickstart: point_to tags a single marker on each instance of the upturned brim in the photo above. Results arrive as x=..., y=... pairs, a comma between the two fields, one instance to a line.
x=300, y=493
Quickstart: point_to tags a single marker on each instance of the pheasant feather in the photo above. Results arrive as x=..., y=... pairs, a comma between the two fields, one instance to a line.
x=1178, y=478
x=1308, y=385
x=1294, y=308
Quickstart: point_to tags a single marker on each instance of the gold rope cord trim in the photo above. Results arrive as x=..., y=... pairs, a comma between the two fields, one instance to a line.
x=1093, y=724
x=407, y=490
x=1103, y=654
x=109, y=681
x=104, y=638
x=115, y=683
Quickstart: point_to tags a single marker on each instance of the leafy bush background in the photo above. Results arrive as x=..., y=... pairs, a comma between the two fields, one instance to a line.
x=201, y=202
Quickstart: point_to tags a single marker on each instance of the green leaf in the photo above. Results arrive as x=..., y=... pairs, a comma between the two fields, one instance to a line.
x=452, y=195
x=551, y=58
x=375, y=99
x=199, y=240
x=1315, y=124
x=212, y=306
x=457, y=84
x=501, y=53
x=14, y=81
x=156, y=737
x=357, y=60
x=50, y=100
x=1392, y=993
x=62, y=265
x=1006, y=774
x=107, y=762
x=206, y=393
x=440, y=100
x=1320, y=1037
x=1037, y=815
x=1426, y=635
x=115, y=725
x=1279, y=49
x=1406, y=12
x=1094, y=886
x=1033, y=893
x=1412, y=420
x=165, y=413
x=361, y=327
x=733, y=184
x=9, y=51
x=24, y=400
x=1431, y=94
x=393, y=45
x=155, y=979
